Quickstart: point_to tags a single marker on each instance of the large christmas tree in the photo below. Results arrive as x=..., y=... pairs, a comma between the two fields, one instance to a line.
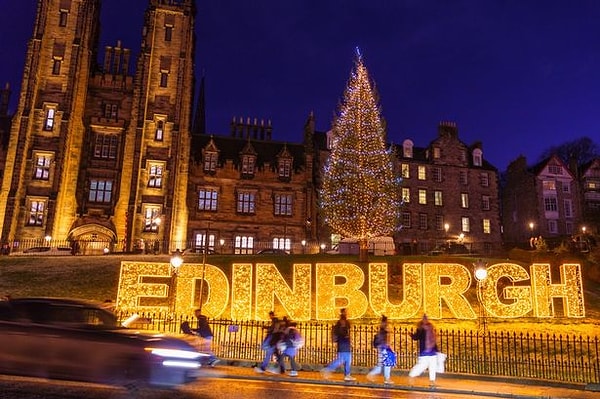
x=361, y=196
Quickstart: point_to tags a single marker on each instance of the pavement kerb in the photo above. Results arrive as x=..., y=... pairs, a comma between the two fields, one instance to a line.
x=311, y=375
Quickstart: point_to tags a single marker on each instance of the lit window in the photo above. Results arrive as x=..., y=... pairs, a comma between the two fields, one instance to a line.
x=200, y=243
x=406, y=194
x=243, y=245
x=405, y=171
x=422, y=175
x=487, y=229
x=155, y=176
x=151, y=218
x=407, y=148
x=282, y=243
x=100, y=190
x=464, y=200
x=437, y=198
x=106, y=146
x=42, y=167
x=283, y=204
x=465, y=224
x=207, y=199
x=160, y=130
x=422, y=197
x=549, y=185
x=245, y=202
x=49, y=121
x=436, y=152
x=36, y=213
x=210, y=161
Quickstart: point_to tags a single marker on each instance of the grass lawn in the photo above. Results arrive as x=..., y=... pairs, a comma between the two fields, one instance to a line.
x=96, y=278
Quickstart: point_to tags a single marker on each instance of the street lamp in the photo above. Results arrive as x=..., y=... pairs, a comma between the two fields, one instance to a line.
x=222, y=244
x=583, y=229
x=303, y=242
x=176, y=262
x=322, y=248
x=481, y=275
x=446, y=228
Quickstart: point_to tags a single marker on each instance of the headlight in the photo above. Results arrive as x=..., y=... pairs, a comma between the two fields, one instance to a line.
x=174, y=353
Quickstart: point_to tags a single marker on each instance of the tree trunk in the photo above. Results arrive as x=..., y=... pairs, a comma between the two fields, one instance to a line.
x=363, y=254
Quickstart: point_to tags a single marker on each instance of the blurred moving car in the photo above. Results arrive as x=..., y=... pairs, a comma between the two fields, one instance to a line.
x=72, y=339
x=272, y=251
x=50, y=251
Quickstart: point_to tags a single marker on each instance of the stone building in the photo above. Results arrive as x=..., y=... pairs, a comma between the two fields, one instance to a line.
x=97, y=156
x=541, y=200
x=451, y=196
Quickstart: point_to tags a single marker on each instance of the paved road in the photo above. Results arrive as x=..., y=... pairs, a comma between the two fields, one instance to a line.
x=230, y=382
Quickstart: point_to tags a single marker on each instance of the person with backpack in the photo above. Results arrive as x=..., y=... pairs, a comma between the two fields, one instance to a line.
x=386, y=358
x=341, y=336
x=428, y=350
x=289, y=345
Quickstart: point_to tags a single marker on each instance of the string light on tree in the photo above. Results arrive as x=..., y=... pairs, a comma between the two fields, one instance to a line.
x=361, y=196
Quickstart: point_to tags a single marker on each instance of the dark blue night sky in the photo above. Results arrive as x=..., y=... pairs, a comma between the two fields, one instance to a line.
x=518, y=75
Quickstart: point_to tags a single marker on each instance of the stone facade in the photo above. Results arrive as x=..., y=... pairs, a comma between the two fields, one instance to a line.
x=541, y=200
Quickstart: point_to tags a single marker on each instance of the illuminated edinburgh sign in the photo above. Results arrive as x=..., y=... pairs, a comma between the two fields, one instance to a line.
x=509, y=291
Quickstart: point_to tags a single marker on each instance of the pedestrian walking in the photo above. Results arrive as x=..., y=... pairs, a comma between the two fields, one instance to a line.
x=427, y=360
x=288, y=348
x=341, y=336
x=386, y=357
x=269, y=343
x=206, y=335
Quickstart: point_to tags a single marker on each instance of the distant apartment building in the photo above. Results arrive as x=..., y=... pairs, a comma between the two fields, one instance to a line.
x=540, y=200
x=590, y=196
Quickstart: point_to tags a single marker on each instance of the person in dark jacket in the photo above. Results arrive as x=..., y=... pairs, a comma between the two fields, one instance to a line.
x=269, y=344
x=205, y=332
x=386, y=358
x=425, y=334
x=341, y=336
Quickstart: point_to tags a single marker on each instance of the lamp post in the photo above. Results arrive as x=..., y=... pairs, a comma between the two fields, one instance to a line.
x=481, y=275
x=222, y=244
x=203, y=266
x=176, y=262
x=322, y=248
x=303, y=242
x=446, y=228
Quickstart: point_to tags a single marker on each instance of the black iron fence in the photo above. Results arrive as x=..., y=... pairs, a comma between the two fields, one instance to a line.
x=564, y=358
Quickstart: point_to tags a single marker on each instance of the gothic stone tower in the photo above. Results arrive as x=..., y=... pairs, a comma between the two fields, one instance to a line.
x=152, y=196
x=96, y=156
x=38, y=192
